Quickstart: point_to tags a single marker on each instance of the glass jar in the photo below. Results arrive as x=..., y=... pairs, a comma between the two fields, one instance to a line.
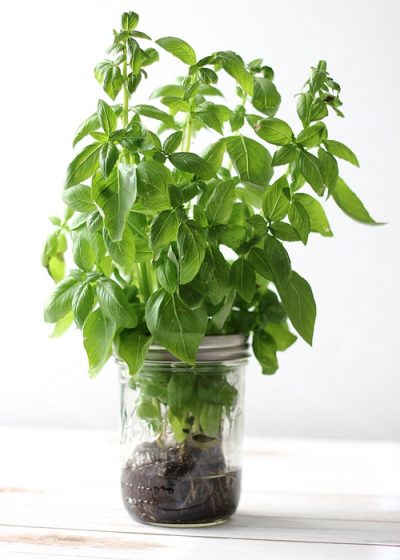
x=182, y=431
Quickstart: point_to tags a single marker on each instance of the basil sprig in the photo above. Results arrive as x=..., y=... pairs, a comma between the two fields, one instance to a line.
x=171, y=245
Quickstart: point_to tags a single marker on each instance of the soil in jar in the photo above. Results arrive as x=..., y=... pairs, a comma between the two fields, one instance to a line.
x=186, y=484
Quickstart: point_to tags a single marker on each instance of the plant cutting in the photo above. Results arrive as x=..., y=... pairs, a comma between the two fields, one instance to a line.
x=180, y=257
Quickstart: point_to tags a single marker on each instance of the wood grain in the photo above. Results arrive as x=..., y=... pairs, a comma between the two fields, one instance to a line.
x=59, y=498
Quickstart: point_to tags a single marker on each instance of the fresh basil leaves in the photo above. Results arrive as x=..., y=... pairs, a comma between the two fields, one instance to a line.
x=150, y=222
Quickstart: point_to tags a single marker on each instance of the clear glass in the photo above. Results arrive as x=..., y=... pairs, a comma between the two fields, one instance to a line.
x=181, y=441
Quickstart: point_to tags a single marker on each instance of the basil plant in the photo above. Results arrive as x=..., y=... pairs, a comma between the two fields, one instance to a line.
x=171, y=245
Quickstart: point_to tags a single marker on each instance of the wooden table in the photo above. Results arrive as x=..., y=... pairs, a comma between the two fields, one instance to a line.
x=302, y=499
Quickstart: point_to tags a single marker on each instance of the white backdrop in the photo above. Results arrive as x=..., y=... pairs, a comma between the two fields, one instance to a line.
x=348, y=384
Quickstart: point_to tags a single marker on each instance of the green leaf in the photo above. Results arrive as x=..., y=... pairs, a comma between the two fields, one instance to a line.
x=274, y=131
x=132, y=347
x=141, y=35
x=209, y=90
x=210, y=419
x=91, y=124
x=115, y=305
x=214, y=154
x=220, y=204
x=311, y=170
x=250, y=159
x=199, y=216
x=174, y=90
x=113, y=81
x=318, y=109
x=284, y=231
x=108, y=158
x=107, y=117
x=243, y=279
x=56, y=267
x=154, y=113
x=115, y=198
x=180, y=391
x=82, y=251
x=218, y=319
x=264, y=348
x=341, y=151
x=82, y=303
x=192, y=163
x=178, y=48
x=175, y=326
x=84, y=165
x=233, y=64
x=101, y=68
x=208, y=76
x=190, y=295
x=163, y=229
x=79, y=198
x=137, y=223
x=281, y=334
x=122, y=252
x=173, y=142
x=216, y=275
x=136, y=57
x=276, y=203
x=259, y=224
x=99, y=136
x=153, y=179
x=284, y=155
x=351, y=205
x=278, y=260
x=129, y=21
x=266, y=97
x=62, y=325
x=96, y=241
x=176, y=104
x=329, y=167
x=98, y=334
x=149, y=56
x=191, y=250
x=312, y=135
x=216, y=390
x=168, y=272
x=304, y=102
x=210, y=116
x=270, y=309
x=148, y=411
x=236, y=120
x=60, y=302
x=300, y=220
x=258, y=261
x=318, y=76
x=232, y=235
x=298, y=301
x=318, y=220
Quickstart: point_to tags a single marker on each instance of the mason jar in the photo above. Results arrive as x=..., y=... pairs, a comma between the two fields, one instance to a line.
x=181, y=434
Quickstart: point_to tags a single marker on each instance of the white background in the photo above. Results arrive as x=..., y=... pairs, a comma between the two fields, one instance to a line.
x=348, y=384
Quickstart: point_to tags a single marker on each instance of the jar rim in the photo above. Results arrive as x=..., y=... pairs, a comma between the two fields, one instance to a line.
x=213, y=348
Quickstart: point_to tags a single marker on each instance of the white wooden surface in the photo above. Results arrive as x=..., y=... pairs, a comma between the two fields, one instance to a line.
x=302, y=499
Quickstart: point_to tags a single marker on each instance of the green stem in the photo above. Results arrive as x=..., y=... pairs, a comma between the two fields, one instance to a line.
x=188, y=133
x=125, y=107
x=143, y=272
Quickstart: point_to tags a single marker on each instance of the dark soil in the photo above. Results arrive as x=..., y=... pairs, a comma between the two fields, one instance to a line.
x=185, y=484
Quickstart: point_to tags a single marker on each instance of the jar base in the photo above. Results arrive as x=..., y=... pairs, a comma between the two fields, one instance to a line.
x=189, y=525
